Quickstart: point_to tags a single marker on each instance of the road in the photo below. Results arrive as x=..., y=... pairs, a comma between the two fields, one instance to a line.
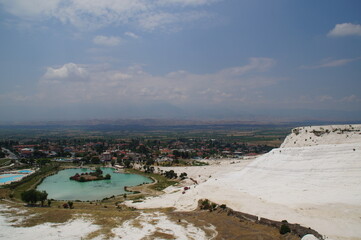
x=11, y=155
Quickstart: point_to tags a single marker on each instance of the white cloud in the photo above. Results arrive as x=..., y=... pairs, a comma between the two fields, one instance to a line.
x=351, y=99
x=15, y=97
x=257, y=64
x=155, y=20
x=345, y=29
x=327, y=63
x=101, y=84
x=30, y=8
x=107, y=41
x=132, y=35
x=186, y=2
x=92, y=14
x=68, y=70
x=170, y=21
x=325, y=98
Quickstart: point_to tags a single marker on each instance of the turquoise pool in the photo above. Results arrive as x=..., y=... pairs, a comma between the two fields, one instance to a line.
x=24, y=171
x=60, y=187
x=5, y=178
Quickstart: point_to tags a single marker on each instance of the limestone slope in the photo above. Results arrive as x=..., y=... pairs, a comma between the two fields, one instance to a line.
x=321, y=135
x=313, y=179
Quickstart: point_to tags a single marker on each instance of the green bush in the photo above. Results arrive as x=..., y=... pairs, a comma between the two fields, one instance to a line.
x=213, y=206
x=183, y=175
x=205, y=205
x=223, y=206
x=284, y=229
x=32, y=196
x=70, y=204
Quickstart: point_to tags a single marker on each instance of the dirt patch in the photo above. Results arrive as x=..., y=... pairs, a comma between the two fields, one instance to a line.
x=230, y=227
x=217, y=224
x=37, y=216
x=161, y=235
x=4, y=193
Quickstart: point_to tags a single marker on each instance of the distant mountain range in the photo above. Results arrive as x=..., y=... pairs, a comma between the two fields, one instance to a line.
x=168, y=122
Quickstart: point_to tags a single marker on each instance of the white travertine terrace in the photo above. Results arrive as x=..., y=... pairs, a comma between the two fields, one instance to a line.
x=313, y=179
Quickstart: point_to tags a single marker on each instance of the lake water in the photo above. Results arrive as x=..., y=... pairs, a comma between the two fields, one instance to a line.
x=60, y=187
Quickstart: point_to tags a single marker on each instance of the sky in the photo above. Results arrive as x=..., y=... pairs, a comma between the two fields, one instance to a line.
x=189, y=59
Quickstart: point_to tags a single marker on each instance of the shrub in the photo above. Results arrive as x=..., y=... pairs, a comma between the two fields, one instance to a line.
x=29, y=196
x=70, y=204
x=205, y=205
x=284, y=229
x=213, y=207
x=98, y=171
x=223, y=206
x=170, y=174
x=32, y=196
x=183, y=175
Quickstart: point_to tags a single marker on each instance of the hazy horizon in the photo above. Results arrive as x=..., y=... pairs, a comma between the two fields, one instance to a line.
x=250, y=60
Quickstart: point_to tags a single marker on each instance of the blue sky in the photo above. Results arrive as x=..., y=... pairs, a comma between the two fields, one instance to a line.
x=212, y=59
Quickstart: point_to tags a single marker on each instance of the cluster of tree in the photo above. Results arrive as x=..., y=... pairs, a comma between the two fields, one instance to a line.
x=69, y=204
x=39, y=154
x=33, y=161
x=33, y=196
x=284, y=228
x=2, y=154
x=92, y=176
x=62, y=153
x=8, y=143
x=207, y=205
x=99, y=148
x=42, y=161
x=170, y=174
x=183, y=154
x=127, y=163
x=148, y=169
x=183, y=175
x=97, y=172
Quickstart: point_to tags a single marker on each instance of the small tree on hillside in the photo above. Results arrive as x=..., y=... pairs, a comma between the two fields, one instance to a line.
x=32, y=196
x=183, y=175
x=98, y=171
x=29, y=196
x=42, y=196
x=70, y=204
x=127, y=163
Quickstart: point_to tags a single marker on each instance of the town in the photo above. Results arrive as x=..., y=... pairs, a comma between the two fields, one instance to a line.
x=125, y=152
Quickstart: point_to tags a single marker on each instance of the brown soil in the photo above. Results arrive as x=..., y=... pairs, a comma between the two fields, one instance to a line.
x=230, y=227
x=146, y=189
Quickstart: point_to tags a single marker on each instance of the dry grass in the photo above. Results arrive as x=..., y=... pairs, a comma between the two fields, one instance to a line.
x=4, y=193
x=229, y=227
x=161, y=235
x=161, y=182
x=41, y=215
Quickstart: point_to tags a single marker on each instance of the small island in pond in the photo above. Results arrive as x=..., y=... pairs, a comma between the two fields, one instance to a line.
x=92, y=176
